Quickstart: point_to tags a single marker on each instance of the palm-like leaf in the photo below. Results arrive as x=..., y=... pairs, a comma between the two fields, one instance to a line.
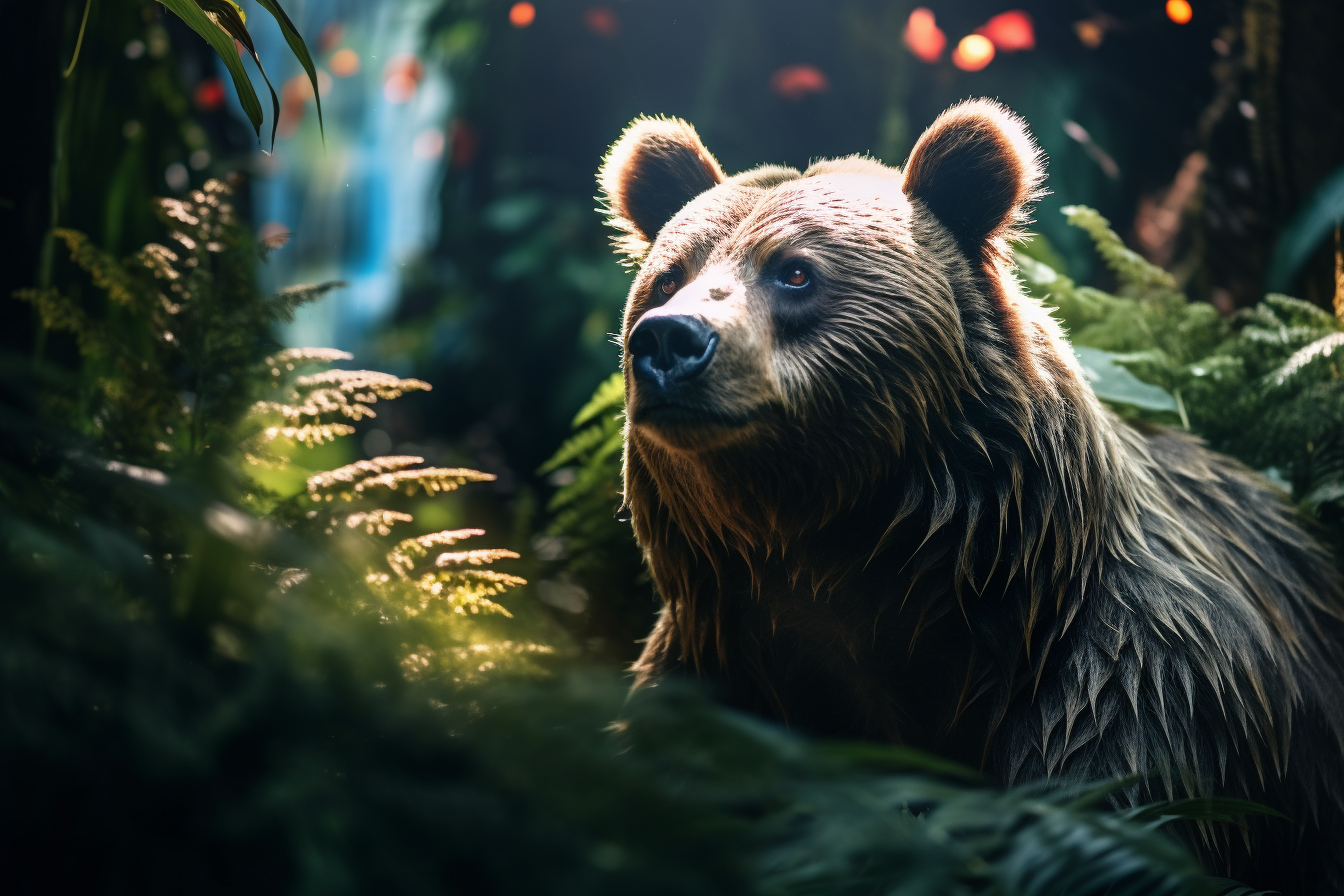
x=221, y=22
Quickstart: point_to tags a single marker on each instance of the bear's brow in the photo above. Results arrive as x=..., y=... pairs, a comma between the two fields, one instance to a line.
x=849, y=208
x=691, y=240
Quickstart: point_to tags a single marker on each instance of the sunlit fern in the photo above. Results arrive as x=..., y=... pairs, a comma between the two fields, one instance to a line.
x=175, y=343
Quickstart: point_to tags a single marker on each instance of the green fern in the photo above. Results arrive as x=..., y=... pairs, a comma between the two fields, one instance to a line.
x=184, y=374
x=1263, y=385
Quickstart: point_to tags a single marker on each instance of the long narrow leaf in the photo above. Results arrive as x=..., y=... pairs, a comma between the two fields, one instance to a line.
x=198, y=21
x=300, y=52
x=229, y=16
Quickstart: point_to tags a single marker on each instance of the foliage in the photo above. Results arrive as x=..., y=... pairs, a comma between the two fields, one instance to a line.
x=224, y=686
x=587, y=526
x=216, y=726
x=221, y=23
x=174, y=367
x=1260, y=385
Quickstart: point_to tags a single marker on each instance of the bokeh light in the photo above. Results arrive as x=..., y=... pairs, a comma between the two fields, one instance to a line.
x=428, y=144
x=522, y=14
x=330, y=36
x=923, y=36
x=465, y=144
x=177, y=177
x=974, y=52
x=1010, y=31
x=401, y=77
x=273, y=234
x=209, y=94
x=1091, y=32
x=344, y=62
x=1180, y=11
x=793, y=82
x=602, y=21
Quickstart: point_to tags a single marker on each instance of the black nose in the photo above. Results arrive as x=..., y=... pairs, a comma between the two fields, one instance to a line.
x=671, y=349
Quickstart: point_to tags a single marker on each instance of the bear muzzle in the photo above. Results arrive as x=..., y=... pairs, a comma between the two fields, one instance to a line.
x=668, y=355
x=668, y=351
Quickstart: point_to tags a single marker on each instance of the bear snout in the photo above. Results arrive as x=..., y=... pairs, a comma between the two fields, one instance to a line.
x=669, y=350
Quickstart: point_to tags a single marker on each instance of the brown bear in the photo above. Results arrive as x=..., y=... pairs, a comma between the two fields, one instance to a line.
x=879, y=500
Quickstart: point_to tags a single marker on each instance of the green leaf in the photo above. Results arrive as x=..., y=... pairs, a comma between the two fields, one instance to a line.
x=888, y=757
x=1115, y=384
x=1132, y=269
x=1205, y=808
x=229, y=16
x=609, y=396
x=1320, y=214
x=188, y=11
x=300, y=50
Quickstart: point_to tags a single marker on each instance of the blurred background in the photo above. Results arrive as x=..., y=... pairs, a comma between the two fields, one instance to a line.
x=451, y=183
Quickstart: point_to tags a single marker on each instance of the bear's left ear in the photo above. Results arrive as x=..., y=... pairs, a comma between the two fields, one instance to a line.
x=657, y=166
x=976, y=169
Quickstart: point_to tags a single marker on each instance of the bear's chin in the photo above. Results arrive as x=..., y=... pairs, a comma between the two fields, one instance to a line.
x=686, y=430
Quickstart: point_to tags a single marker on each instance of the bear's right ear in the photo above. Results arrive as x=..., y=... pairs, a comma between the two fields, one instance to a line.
x=657, y=166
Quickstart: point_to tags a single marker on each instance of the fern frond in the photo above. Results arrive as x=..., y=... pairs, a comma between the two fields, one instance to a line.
x=309, y=434
x=293, y=356
x=1321, y=348
x=406, y=555
x=317, y=403
x=55, y=311
x=364, y=382
x=610, y=396
x=1132, y=268
x=474, y=558
x=377, y=522
x=107, y=274
x=575, y=448
x=360, y=469
x=288, y=300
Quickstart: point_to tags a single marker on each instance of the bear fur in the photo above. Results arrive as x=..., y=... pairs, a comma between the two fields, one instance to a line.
x=887, y=505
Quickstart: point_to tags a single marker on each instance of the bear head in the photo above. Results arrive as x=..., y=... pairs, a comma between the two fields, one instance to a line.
x=795, y=340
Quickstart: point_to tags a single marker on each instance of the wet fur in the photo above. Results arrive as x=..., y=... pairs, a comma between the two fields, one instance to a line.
x=934, y=534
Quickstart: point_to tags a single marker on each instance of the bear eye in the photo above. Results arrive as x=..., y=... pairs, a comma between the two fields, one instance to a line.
x=666, y=284
x=795, y=275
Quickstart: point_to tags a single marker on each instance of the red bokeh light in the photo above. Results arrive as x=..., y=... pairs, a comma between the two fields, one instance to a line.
x=793, y=82
x=1010, y=31
x=973, y=52
x=209, y=94
x=1180, y=11
x=464, y=143
x=923, y=36
x=522, y=14
x=330, y=36
x=602, y=21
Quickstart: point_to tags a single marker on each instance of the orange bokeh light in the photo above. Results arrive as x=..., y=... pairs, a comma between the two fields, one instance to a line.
x=344, y=62
x=522, y=14
x=793, y=82
x=923, y=36
x=401, y=77
x=1010, y=31
x=1180, y=11
x=974, y=52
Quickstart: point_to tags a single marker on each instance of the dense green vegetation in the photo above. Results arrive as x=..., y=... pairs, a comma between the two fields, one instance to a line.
x=220, y=686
